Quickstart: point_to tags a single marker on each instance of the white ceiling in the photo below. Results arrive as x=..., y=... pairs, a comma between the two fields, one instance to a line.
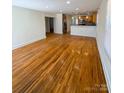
x=54, y=6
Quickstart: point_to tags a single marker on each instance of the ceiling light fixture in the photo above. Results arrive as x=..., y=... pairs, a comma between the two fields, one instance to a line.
x=60, y=10
x=46, y=6
x=68, y=2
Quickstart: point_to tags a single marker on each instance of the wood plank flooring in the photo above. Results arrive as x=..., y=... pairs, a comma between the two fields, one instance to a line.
x=58, y=64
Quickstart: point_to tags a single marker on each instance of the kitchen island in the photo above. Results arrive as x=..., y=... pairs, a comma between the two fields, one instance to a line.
x=83, y=30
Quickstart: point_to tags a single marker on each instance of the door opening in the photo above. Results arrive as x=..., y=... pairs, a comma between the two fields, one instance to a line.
x=49, y=22
x=64, y=24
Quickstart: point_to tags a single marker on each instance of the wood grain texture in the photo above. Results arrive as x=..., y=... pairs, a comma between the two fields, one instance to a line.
x=58, y=64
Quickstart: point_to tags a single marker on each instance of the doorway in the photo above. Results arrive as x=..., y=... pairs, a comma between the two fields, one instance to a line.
x=49, y=22
x=64, y=24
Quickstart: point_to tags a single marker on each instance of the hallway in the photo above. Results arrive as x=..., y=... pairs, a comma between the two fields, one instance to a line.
x=58, y=64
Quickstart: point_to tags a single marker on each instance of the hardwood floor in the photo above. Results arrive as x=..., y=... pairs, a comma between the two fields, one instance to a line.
x=58, y=64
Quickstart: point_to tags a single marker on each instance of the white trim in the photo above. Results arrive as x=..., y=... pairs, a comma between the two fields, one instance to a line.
x=24, y=44
x=106, y=64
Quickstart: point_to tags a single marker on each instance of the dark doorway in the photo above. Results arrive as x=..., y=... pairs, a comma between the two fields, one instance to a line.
x=49, y=24
x=64, y=24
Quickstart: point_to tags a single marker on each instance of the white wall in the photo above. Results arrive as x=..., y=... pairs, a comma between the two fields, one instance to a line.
x=27, y=26
x=50, y=15
x=59, y=24
x=89, y=31
x=107, y=41
x=102, y=41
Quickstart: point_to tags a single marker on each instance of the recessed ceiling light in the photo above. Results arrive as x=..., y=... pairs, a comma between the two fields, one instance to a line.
x=68, y=2
x=46, y=6
x=77, y=9
x=60, y=10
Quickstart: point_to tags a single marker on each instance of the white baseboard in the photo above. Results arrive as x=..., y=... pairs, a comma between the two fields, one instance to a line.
x=24, y=44
x=106, y=63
